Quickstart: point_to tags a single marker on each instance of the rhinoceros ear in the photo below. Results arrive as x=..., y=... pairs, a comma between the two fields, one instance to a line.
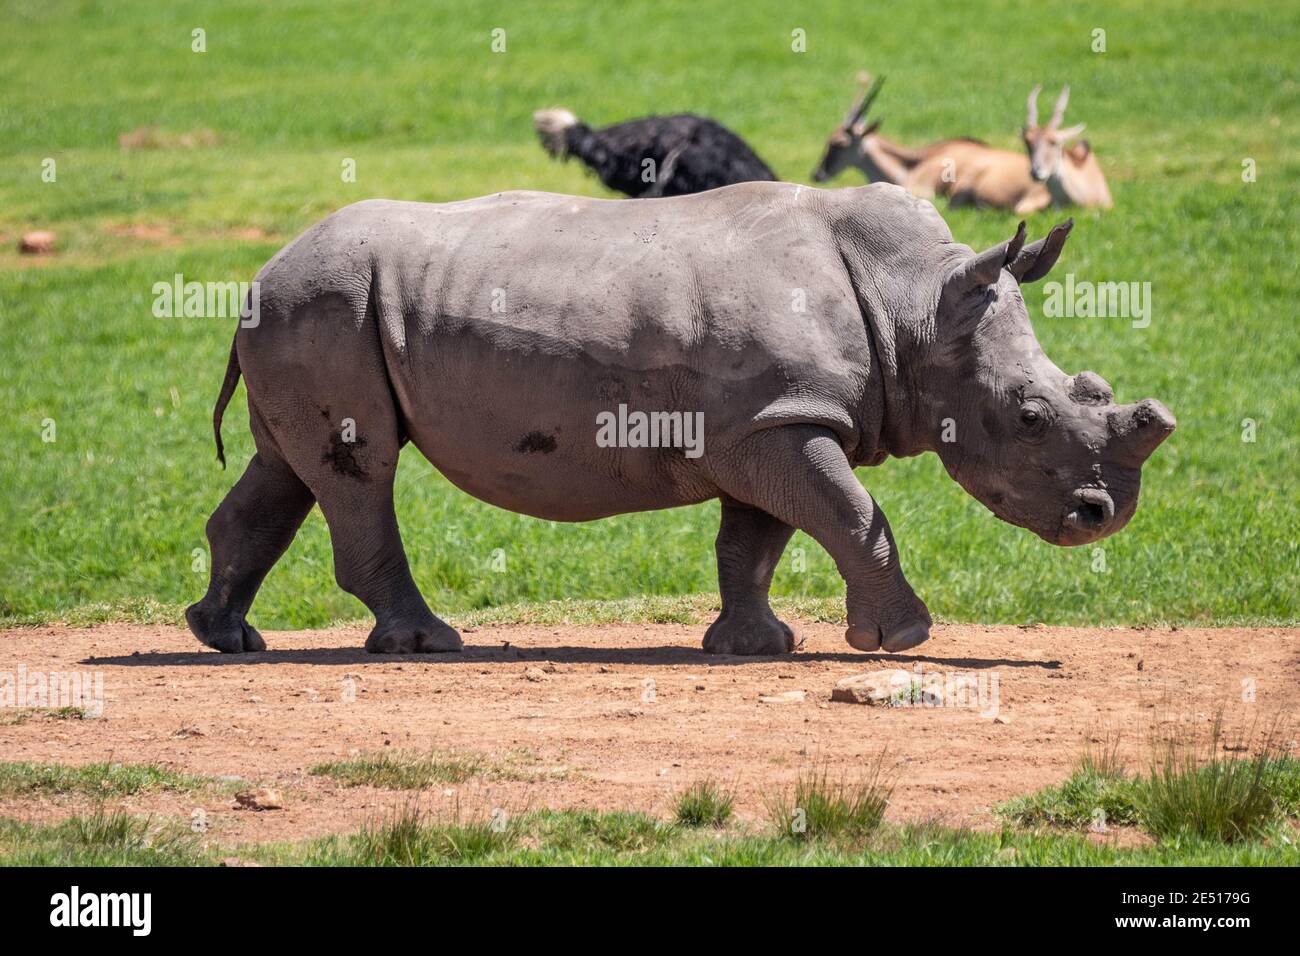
x=983, y=269
x=1037, y=258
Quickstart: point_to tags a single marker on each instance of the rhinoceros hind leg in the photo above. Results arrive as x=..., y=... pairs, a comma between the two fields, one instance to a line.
x=247, y=534
x=335, y=422
x=749, y=545
x=370, y=562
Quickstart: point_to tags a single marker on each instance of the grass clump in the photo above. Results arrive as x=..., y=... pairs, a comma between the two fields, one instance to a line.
x=588, y=831
x=704, y=804
x=412, y=839
x=19, y=717
x=20, y=778
x=1190, y=792
x=99, y=839
x=403, y=771
x=1099, y=793
x=820, y=808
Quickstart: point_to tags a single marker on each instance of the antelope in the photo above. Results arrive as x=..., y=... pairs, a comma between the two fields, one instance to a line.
x=967, y=171
x=1071, y=173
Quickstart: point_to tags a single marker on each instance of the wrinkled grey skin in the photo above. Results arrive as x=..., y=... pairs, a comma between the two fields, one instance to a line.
x=383, y=314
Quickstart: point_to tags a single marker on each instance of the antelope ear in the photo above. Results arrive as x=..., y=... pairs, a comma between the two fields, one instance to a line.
x=1071, y=131
x=983, y=269
x=1036, y=259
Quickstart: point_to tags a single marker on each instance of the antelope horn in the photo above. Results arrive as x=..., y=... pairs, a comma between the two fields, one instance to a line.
x=864, y=79
x=864, y=100
x=1058, y=113
x=1031, y=118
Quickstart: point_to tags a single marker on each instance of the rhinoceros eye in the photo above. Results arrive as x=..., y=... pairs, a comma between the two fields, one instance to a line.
x=1034, y=419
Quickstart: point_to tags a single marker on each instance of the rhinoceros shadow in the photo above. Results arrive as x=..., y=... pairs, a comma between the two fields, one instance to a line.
x=664, y=654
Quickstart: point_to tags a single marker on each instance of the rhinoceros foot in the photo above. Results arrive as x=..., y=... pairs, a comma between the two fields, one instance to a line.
x=222, y=630
x=864, y=638
x=908, y=636
x=750, y=634
x=869, y=637
x=430, y=636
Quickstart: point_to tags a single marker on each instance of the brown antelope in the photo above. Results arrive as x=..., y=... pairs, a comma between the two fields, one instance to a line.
x=967, y=171
x=1071, y=173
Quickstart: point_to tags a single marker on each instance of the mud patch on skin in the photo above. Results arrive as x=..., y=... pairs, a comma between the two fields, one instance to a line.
x=537, y=442
x=342, y=457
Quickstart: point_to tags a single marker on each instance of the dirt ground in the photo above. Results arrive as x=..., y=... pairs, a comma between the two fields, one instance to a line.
x=623, y=717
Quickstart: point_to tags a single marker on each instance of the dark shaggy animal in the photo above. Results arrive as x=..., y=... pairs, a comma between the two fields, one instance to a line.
x=690, y=153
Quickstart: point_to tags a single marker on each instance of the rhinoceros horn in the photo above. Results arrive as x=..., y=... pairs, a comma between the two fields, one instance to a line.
x=1137, y=430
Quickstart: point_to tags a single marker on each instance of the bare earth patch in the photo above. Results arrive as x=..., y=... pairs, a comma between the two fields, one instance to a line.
x=619, y=717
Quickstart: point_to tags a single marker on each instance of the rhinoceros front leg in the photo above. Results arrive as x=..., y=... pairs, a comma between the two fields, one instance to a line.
x=799, y=474
x=748, y=547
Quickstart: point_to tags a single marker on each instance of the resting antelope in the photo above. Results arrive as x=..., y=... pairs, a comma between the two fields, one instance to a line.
x=968, y=171
x=1071, y=173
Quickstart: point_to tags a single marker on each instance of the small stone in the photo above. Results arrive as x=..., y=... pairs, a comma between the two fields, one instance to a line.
x=875, y=688
x=262, y=799
x=38, y=243
x=1001, y=719
x=788, y=697
x=534, y=674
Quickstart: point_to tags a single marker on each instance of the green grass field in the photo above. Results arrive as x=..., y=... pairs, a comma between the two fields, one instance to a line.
x=838, y=824
x=105, y=521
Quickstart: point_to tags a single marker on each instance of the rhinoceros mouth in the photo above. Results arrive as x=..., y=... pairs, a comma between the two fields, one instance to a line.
x=1089, y=516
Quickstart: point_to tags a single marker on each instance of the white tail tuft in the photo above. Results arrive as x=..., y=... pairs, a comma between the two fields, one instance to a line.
x=550, y=125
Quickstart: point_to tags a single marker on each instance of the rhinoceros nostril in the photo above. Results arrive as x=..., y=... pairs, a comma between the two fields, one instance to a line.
x=1091, y=515
x=1093, y=510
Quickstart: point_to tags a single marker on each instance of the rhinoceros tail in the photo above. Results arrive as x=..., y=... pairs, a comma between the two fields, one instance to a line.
x=227, y=390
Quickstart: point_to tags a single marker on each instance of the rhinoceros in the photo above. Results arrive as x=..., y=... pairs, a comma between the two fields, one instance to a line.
x=808, y=332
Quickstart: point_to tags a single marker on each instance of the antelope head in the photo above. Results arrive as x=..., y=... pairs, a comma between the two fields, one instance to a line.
x=1047, y=144
x=844, y=144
